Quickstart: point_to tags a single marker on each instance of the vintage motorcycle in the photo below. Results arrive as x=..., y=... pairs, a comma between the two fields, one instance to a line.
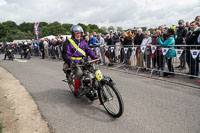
x=94, y=85
x=26, y=53
x=10, y=54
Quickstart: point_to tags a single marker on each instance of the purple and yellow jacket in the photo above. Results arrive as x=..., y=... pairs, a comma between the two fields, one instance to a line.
x=74, y=55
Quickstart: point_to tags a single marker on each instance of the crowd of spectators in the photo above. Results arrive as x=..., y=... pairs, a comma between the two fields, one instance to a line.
x=105, y=47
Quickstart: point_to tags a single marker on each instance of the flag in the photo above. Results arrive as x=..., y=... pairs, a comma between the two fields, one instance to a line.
x=119, y=51
x=125, y=50
x=143, y=48
x=153, y=49
x=36, y=28
x=134, y=50
x=112, y=49
x=179, y=52
x=165, y=50
x=194, y=53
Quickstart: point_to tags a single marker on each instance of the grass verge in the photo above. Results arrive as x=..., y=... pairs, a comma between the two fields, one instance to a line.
x=1, y=128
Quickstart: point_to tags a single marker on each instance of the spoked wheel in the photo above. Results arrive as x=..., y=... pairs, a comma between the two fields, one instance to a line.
x=112, y=101
x=71, y=83
x=28, y=56
x=12, y=56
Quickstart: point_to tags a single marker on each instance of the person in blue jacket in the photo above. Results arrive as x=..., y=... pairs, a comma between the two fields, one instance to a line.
x=169, y=42
x=93, y=41
x=35, y=45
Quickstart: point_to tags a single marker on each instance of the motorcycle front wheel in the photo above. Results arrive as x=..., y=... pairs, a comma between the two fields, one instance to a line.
x=111, y=99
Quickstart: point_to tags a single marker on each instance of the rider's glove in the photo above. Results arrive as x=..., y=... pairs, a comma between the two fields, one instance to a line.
x=95, y=57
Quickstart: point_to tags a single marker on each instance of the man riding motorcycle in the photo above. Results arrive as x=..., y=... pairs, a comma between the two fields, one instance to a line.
x=25, y=49
x=8, y=47
x=74, y=50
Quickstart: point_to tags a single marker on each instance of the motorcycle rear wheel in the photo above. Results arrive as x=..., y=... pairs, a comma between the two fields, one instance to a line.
x=71, y=83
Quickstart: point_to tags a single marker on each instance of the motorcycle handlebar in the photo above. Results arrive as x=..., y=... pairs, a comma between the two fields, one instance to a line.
x=82, y=62
x=94, y=60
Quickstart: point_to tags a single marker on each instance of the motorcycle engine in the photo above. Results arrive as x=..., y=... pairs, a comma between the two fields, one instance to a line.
x=92, y=95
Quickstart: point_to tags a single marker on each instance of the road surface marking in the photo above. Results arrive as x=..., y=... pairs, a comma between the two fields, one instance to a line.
x=21, y=60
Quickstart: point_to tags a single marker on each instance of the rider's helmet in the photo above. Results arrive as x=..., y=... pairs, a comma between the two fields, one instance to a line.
x=25, y=43
x=76, y=28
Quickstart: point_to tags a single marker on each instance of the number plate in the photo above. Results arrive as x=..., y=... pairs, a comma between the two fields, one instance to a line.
x=99, y=75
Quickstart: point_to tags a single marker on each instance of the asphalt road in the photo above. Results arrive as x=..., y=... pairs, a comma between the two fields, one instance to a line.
x=151, y=106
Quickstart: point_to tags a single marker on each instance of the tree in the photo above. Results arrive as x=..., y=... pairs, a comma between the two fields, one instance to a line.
x=67, y=27
x=44, y=31
x=152, y=30
x=119, y=29
x=85, y=27
x=144, y=28
x=41, y=24
x=10, y=31
x=10, y=25
x=55, y=29
x=103, y=30
x=2, y=31
x=93, y=26
x=25, y=27
x=111, y=28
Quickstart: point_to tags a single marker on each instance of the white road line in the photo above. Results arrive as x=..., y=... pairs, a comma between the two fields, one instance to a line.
x=21, y=60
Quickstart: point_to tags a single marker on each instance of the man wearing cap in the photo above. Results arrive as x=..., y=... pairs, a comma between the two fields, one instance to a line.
x=180, y=40
x=192, y=39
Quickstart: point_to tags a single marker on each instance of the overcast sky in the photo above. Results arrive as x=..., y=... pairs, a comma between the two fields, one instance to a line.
x=123, y=13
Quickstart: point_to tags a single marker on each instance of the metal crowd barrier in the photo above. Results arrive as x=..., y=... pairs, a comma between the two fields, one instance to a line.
x=153, y=59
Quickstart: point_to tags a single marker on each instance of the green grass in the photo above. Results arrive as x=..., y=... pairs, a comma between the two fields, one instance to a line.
x=1, y=128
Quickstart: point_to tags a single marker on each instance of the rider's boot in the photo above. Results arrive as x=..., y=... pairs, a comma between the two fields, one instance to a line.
x=77, y=93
